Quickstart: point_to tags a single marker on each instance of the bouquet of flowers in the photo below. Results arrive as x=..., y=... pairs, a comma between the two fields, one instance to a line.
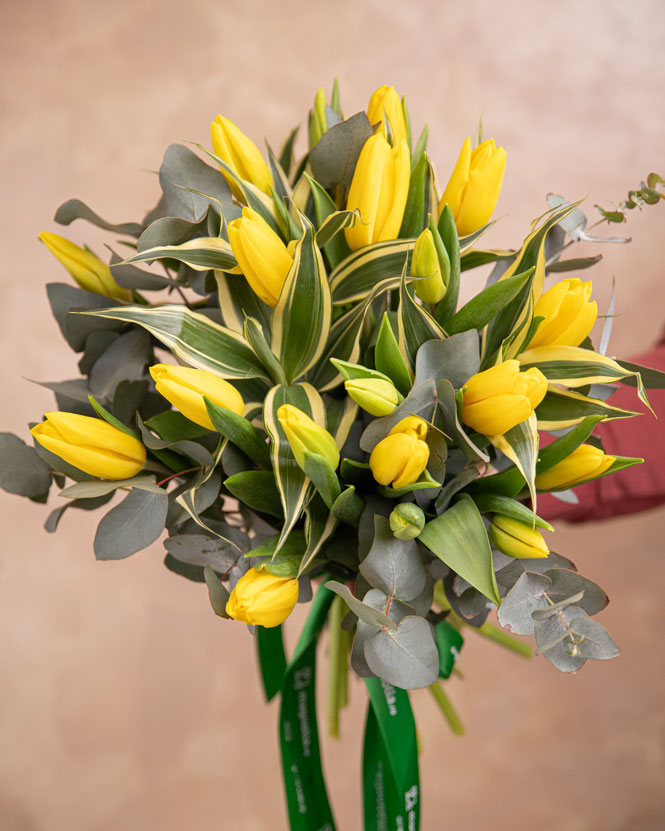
x=326, y=422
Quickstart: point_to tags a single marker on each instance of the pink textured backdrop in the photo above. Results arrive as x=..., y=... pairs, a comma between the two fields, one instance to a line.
x=125, y=703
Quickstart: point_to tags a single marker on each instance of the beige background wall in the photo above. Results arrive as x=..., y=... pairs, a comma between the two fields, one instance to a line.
x=125, y=704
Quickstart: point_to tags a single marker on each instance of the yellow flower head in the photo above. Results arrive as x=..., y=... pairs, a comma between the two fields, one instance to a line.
x=378, y=190
x=585, y=462
x=569, y=314
x=385, y=104
x=517, y=539
x=402, y=456
x=305, y=435
x=262, y=256
x=501, y=397
x=241, y=154
x=90, y=444
x=89, y=271
x=184, y=387
x=262, y=599
x=474, y=186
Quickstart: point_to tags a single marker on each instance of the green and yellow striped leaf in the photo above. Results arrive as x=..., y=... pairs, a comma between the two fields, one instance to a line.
x=340, y=415
x=344, y=340
x=334, y=224
x=254, y=197
x=358, y=274
x=336, y=248
x=414, y=324
x=201, y=254
x=193, y=338
x=254, y=334
x=482, y=308
x=320, y=524
x=513, y=323
x=564, y=408
x=237, y=300
x=301, y=318
x=520, y=445
x=448, y=238
x=292, y=483
x=574, y=366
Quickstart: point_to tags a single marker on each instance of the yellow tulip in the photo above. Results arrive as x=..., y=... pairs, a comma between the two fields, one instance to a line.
x=425, y=264
x=184, y=387
x=89, y=271
x=262, y=256
x=501, y=397
x=262, y=599
x=304, y=434
x=474, y=186
x=585, y=462
x=517, y=539
x=569, y=314
x=402, y=456
x=375, y=395
x=91, y=445
x=385, y=104
x=378, y=190
x=241, y=154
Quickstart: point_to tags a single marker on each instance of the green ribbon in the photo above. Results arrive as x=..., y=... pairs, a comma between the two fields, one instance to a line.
x=272, y=660
x=448, y=642
x=306, y=796
x=391, y=786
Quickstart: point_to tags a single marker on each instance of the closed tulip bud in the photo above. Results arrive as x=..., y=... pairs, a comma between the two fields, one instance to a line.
x=260, y=598
x=378, y=190
x=569, y=314
x=240, y=154
x=475, y=185
x=407, y=520
x=90, y=444
x=402, y=456
x=585, y=462
x=318, y=123
x=501, y=397
x=431, y=288
x=374, y=395
x=517, y=539
x=385, y=104
x=305, y=435
x=184, y=387
x=89, y=271
x=262, y=256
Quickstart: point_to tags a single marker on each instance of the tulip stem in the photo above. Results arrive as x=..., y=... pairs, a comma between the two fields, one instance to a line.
x=446, y=707
x=179, y=473
x=337, y=665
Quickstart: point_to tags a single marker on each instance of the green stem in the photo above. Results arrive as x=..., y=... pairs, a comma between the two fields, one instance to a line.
x=446, y=707
x=335, y=654
x=487, y=630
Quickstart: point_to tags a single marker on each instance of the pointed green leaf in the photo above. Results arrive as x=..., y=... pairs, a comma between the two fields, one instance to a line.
x=458, y=537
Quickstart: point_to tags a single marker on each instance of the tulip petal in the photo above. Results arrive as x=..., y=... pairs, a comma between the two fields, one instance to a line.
x=493, y=381
x=496, y=415
x=454, y=192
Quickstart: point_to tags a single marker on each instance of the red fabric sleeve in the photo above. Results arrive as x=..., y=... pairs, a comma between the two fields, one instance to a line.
x=637, y=488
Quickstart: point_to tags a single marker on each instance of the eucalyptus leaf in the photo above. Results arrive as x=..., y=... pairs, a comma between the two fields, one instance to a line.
x=217, y=592
x=201, y=550
x=366, y=613
x=125, y=359
x=527, y=595
x=333, y=159
x=22, y=471
x=75, y=209
x=454, y=359
x=406, y=656
x=131, y=526
x=393, y=565
x=100, y=487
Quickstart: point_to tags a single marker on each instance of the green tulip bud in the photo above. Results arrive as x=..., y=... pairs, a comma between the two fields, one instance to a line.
x=431, y=288
x=375, y=395
x=407, y=520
